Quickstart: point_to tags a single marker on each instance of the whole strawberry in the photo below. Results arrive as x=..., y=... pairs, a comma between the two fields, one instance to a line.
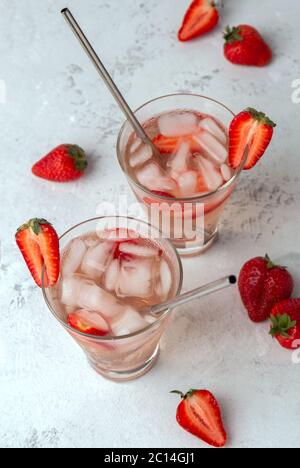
x=263, y=284
x=63, y=164
x=285, y=323
x=245, y=46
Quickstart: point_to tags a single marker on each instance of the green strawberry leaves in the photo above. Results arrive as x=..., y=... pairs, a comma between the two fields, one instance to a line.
x=281, y=324
x=34, y=224
x=79, y=157
x=232, y=35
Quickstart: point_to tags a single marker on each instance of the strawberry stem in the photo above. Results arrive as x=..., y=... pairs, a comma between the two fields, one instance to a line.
x=177, y=392
x=260, y=117
x=185, y=396
x=79, y=157
x=217, y=3
x=232, y=35
x=34, y=224
x=281, y=324
x=271, y=264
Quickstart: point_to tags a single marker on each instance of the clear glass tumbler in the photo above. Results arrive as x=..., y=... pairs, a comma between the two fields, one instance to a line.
x=126, y=357
x=190, y=223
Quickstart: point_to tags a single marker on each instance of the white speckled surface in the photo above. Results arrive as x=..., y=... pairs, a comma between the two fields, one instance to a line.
x=48, y=395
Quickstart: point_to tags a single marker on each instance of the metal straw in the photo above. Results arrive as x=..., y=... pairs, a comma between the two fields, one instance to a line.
x=129, y=114
x=182, y=299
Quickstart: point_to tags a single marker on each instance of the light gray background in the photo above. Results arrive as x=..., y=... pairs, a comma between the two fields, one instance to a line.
x=48, y=395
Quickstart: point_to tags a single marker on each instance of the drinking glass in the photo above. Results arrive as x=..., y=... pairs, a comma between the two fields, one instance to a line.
x=125, y=357
x=190, y=223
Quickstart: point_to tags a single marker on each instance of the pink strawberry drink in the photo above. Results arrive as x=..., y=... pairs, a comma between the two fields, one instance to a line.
x=194, y=150
x=186, y=189
x=107, y=278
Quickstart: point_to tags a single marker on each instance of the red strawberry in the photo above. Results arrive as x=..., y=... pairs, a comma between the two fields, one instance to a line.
x=262, y=284
x=251, y=128
x=39, y=245
x=285, y=323
x=166, y=145
x=200, y=414
x=121, y=255
x=63, y=164
x=169, y=145
x=245, y=46
x=201, y=17
x=88, y=322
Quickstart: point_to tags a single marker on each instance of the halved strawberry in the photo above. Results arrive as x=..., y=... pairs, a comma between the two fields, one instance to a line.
x=39, y=245
x=166, y=145
x=200, y=414
x=169, y=145
x=285, y=323
x=251, y=128
x=201, y=17
x=88, y=322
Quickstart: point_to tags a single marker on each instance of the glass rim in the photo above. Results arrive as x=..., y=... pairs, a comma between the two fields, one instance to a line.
x=187, y=199
x=130, y=335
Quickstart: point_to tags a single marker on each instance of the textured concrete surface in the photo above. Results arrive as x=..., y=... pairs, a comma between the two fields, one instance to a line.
x=48, y=395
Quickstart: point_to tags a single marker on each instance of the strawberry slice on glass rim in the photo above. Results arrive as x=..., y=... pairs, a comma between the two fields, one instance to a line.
x=250, y=131
x=39, y=245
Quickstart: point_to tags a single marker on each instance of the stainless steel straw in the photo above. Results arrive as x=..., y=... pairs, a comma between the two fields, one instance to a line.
x=129, y=114
x=182, y=299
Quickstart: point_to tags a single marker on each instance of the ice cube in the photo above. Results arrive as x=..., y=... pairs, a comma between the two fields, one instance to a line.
x=135, y=145
x=73, y=257
x=188, y=182
x=211, y=147
x=210, y=173
x=93, y=297
x=165, y=283
x=226, y=172
x=211, y=126
x=136, y=278
x=120, y=234
x=180, y=161
x=154, y=178
x=138, y=249
x=91, y=242
x=78, y=291
x=69, y=291
x=129, y=321
x=141, y=155
x=93, y=320
x=97, y=259
x=111, y=276
x=177, y=124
